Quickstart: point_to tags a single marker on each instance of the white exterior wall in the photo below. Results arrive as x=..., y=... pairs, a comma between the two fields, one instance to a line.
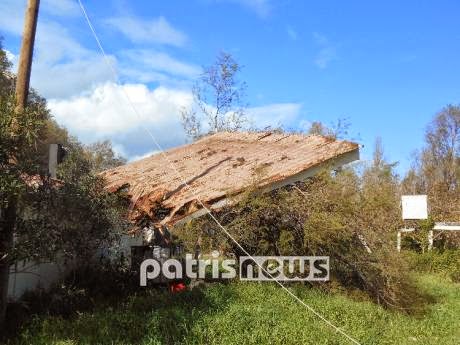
x=27, y=276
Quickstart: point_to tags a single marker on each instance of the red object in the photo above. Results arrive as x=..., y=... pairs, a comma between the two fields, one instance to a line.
x=177, y=287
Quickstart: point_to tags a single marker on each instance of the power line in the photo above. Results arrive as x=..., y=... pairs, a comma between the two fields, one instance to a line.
x=162, y=152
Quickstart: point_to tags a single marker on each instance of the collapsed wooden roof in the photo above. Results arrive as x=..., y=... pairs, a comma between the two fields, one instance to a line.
x=220, y=165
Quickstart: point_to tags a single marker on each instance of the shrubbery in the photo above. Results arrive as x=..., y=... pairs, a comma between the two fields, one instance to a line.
x=342, y=215
x=444, y=262
x=82, y=290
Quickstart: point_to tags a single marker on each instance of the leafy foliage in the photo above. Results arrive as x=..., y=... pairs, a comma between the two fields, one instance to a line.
x=18, y=135
x=47, y=218
x=337, y=130
x=218, y=97
x=342, y=215
x=102, y=156
x=444, y=262
x=5, y=65
x=72, y=218
x=436, y=170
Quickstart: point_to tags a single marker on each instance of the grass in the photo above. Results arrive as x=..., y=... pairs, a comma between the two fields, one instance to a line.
x=251, y=313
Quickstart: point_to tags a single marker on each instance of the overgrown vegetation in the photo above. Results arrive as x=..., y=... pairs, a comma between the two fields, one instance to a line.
x=436, y=171
x=44, y=219
x=81, y=291
x=348, y=217
x=248, y=313
x=351, y=215
x=443, y=262
x=71, y=218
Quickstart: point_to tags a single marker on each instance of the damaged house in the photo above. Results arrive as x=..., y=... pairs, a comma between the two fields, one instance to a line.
x=170, y=188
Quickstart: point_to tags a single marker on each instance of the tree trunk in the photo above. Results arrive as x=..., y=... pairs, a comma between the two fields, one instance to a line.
x=7, y=223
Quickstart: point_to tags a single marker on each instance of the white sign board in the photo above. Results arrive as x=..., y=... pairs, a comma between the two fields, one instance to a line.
x=414, y=207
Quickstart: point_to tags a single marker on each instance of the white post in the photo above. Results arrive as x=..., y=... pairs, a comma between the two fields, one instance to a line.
x=430, y=240
x=398, y=245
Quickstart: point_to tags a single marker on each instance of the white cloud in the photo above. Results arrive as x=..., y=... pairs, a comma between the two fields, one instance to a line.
x=105, y=113
x=158, y=63
x=11, y=57
x=62, y=66
x=305, y=125
x=274, y=115
x=327, y=52
x=60, y=7
x=69, y=68
x=148, y=31
x=83, y=98
x=12, y=12
x=12, y=16
x=67, y=79
x=54, y=43
x=106, y=110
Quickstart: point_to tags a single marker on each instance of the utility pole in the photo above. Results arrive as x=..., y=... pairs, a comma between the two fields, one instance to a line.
x=8, y=213
x=25, y=57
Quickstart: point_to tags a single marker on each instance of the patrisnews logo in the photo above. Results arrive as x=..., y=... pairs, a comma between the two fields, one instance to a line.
x=284, y=268
x=255, y=268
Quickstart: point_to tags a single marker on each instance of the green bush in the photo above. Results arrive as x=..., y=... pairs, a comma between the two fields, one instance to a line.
x=339, y=215
x=446, y=262
x=78, y=293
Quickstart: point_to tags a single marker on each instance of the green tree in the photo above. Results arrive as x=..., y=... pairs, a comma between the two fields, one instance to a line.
x=441, y=157
x=42, y=218
x=102, y=156
x=218, y=99
x=5, y=65
x=436, y=168
x=70, y=217
x=18, y=135
x=337, y=130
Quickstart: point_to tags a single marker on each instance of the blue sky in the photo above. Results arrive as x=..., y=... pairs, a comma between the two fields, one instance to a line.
x=387, y=66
